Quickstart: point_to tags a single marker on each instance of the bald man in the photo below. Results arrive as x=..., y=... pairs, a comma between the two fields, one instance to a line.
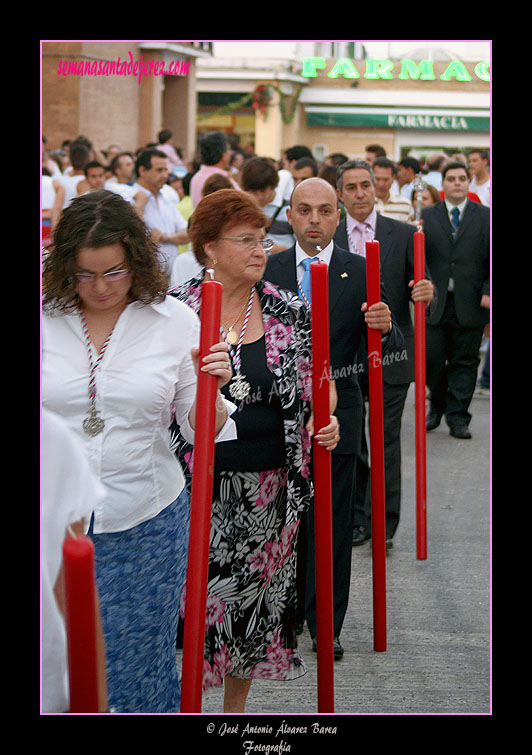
x=314, y=217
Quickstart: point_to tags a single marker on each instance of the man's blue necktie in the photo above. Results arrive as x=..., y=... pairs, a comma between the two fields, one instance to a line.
x=455, y=222
x=304, y=284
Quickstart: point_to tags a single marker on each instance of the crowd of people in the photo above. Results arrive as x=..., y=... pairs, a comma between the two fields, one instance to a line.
x=127, y=241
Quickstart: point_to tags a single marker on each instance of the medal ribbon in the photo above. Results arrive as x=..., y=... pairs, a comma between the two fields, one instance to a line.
x=303, y=295
x=93, y=365
x=235, y=354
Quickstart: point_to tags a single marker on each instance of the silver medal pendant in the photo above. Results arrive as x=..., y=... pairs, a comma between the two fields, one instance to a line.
x=239, y=388
x=93, y=425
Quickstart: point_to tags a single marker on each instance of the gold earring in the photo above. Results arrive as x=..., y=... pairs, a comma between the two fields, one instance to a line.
x=214, y=262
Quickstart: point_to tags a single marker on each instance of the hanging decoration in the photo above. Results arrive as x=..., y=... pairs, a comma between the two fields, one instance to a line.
x=242, y=102
x=261, y=98
x=288, y=114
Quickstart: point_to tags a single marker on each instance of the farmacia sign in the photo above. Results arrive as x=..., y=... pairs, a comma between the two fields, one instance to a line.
x=386, y=69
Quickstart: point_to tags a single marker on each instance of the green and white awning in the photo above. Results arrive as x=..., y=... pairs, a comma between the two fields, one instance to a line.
x=433, y=119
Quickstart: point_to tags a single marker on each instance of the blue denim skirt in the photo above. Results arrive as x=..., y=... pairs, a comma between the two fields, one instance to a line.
x=139, y=575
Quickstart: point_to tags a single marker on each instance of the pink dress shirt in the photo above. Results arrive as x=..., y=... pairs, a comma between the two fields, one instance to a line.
x=196, y=184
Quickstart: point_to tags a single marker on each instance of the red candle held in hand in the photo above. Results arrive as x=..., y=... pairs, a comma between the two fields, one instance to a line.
x=420, y=387
x=376, y=429
x=319, y=282
x=200, y=505
x=80, y=622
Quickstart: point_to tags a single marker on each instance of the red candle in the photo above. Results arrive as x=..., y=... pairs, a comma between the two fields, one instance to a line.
x=420, y=383
x=319, y=283
x=200, y=506
x=80, y=622
x=376, y=428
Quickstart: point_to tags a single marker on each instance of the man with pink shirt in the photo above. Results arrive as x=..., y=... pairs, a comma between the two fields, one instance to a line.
x=215, y=156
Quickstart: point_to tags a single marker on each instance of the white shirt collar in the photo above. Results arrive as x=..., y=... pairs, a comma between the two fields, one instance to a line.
x=324, y=255
x=156, y=197
x=161, y=307
x=460, y=206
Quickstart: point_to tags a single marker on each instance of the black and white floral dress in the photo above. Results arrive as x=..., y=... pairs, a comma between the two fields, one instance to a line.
x=262, y=485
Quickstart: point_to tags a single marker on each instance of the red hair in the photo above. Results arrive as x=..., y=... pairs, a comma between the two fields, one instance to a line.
x=220, y=211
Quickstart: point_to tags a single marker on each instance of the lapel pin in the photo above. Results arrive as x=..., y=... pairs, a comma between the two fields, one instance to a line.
x=344, y=275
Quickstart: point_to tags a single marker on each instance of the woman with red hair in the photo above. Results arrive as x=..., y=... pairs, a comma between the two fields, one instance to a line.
x=262, y=482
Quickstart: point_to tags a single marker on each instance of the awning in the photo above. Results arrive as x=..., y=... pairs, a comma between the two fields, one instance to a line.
x=433, y=119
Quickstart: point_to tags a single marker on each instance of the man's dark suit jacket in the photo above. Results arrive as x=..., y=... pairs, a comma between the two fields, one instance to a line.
x=396, y=248
x=347, y=292
x=465, y=259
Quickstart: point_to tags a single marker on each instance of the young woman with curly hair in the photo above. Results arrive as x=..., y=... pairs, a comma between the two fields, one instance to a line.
x=119, y=360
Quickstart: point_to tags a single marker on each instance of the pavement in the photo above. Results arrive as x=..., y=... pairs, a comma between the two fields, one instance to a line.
x=438, y=620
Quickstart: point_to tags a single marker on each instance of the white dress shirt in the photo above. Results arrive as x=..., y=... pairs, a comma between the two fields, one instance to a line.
x=433, y=178
x=324, y=255
x=483, y=191
x=284, y=187
x=406, y=190
x=184, y=267
x=145, y=370
x=163, y=214
x=124, y=190
x=461, y=208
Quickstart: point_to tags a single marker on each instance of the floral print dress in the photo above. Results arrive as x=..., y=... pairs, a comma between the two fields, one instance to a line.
x=251, y=594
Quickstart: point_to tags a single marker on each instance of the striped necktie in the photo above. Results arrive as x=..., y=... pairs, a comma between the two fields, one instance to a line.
x=359, y=240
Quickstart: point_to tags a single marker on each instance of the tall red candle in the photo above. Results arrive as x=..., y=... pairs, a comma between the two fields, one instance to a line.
x=420, y=388
x=376, y=428
x=80, y=622
x=319, y=283
x=200, y=506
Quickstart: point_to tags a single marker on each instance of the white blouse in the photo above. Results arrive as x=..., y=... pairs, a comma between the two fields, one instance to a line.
x=145, y=371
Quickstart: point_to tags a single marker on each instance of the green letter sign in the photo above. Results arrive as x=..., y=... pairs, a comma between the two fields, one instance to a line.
x=423, y=70
x=482, y=70
x=458, y=69
x=345, y=67
x=378, y=69
x=384, y=69
x=310, y=65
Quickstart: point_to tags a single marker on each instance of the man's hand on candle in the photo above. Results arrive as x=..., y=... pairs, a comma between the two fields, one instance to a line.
x=217, y=362
x=328, y=436
x=423, y=290
x=378, y=316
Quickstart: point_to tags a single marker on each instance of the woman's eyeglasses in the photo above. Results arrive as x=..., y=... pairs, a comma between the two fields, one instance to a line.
x=249, y=242
x=113, y=275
